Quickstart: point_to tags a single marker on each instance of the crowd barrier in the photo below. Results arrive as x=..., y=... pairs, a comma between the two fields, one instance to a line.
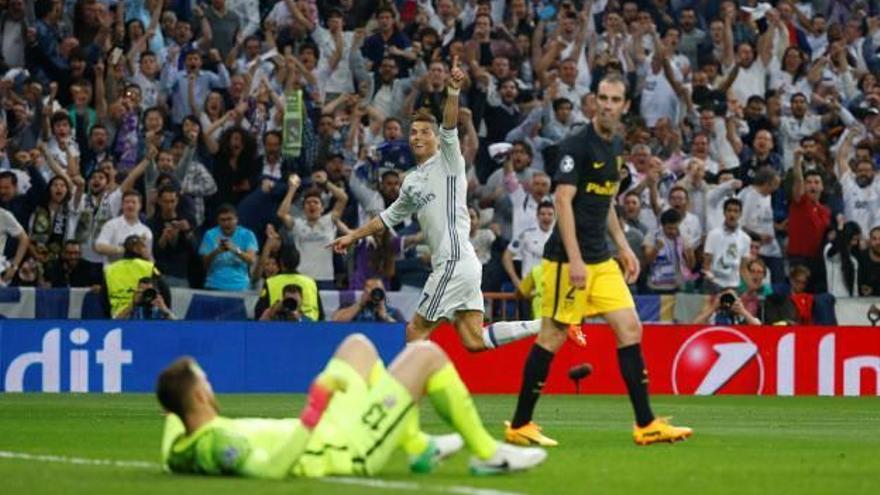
x=191, y=304
x=108, y=356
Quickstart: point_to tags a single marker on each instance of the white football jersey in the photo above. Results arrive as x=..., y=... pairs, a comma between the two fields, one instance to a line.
x=436, y=191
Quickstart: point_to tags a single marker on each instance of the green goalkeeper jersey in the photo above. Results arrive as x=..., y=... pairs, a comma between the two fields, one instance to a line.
x=257, y=448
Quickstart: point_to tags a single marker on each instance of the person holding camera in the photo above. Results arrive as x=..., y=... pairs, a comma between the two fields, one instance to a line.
x=273, y=289
x=726, y=309
x=147, y=303
x=123, y=277
x=372, y=306
x=288, y=308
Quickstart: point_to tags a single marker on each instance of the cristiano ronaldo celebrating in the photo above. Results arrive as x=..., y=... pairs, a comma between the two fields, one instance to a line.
x=581, y=279
x=436, y=191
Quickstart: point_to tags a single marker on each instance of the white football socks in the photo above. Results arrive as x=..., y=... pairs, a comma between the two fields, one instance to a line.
x=504, y=332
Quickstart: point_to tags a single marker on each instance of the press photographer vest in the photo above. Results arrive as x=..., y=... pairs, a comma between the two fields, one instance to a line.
x=275, y=285
x=122, y=280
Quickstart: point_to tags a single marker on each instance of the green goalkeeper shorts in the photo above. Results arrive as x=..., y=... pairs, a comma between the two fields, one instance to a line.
x=361, y=428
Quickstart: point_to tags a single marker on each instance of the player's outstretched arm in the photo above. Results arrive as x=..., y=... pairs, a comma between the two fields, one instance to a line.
x=456, y=81
x=341, y=244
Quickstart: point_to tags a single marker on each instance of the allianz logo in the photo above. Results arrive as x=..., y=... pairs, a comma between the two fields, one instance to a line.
x=111, y=357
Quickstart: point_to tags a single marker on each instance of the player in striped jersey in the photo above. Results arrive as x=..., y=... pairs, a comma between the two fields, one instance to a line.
x=436, y=191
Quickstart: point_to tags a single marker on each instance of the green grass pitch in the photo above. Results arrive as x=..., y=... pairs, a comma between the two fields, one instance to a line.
x=742, y=445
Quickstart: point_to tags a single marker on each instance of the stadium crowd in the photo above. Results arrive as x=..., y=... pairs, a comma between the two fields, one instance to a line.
x=237, y=138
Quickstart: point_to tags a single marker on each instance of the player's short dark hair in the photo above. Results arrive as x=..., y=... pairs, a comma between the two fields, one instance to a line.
x=546, y=204
x=733, y=202
x=799, y=94
x=811, y=137
x=175, y=384
x=424, y=115
x=670, y=217
x=289, y=258
x=633, y=193
x=615, y=78
x=335, y=12
x=131, y=193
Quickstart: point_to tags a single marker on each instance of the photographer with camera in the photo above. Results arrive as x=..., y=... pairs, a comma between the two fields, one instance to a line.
x=372, y=306
x=122, y=278
x=288, y=308
x=147, y=303
x=726, y=308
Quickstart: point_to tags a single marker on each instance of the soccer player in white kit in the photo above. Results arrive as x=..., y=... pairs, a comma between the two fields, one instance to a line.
x=436, y=191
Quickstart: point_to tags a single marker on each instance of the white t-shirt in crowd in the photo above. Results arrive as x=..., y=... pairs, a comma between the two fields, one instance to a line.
x=749, y=81
x=528, y=247
x=861, y=205
x=728, y=250
x=116, y=230
x=658, y=97
x=757, y=216
x=316, y=260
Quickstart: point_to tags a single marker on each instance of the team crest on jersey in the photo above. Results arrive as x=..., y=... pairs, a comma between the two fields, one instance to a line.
x=567, y=164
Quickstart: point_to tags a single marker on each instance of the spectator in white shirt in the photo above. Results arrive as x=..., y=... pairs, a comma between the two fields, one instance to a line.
x=726, y=250
x=528, y=247
x=113, y=234
x=861, y=189
x=331, y=40
x=689, y=224
x=751, y=62
x=315, y=230
x=757, y=219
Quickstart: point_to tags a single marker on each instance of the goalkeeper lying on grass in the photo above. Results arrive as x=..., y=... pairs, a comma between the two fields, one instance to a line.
x=357, y=414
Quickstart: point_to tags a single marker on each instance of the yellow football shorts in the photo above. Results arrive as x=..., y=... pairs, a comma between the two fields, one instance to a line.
x=605, y=291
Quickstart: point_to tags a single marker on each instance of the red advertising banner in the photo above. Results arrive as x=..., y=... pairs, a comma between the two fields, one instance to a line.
x=695, y=360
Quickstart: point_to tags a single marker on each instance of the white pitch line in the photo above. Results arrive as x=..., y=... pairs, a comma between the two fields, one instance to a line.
x=412, y=486
x=364, y=482
x=60, y=459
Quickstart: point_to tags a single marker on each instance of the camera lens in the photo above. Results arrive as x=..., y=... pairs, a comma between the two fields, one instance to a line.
x=289, y=304
x=377, y=295
x=727, y=300
x=148, y=296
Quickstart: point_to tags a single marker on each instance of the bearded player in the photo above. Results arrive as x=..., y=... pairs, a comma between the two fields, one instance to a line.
x=436, y=191
x=581, y=279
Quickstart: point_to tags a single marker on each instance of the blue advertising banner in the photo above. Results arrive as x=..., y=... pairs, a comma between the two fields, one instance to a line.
x=123, y=356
